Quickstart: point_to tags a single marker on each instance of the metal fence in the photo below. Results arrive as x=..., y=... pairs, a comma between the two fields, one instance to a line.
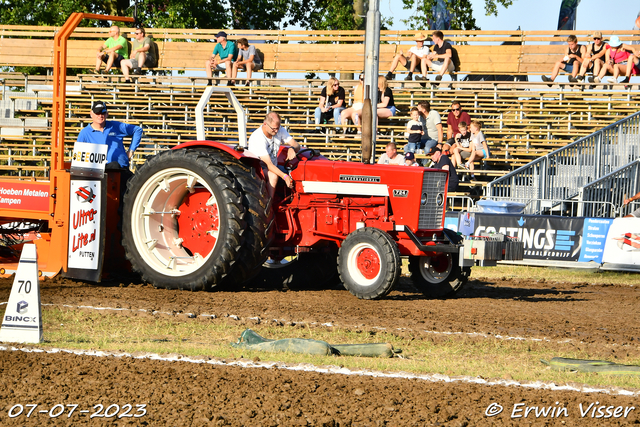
x=613, y=189
x=562, y=207
x=562, y=173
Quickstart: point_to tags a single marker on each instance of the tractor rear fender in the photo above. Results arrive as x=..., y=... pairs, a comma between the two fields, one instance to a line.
x=235, y=150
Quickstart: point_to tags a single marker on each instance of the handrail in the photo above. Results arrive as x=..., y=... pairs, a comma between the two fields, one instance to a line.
x=561, y=173
x=613, y=188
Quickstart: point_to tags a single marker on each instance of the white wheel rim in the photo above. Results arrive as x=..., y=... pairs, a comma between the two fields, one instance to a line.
x=354, y=270
x=154, y=223
x=430, y=274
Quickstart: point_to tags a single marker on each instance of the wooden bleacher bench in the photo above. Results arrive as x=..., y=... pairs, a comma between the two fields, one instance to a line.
x=480, y=52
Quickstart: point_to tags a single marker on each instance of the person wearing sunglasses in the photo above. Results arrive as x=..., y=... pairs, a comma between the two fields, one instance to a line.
x=331, y=102
x=112, y=51
x=456, y=115
x=142, y=54
x=412, y=59
x=619, y=58
x=354, y=112
x=594, y=58
x=265, y=143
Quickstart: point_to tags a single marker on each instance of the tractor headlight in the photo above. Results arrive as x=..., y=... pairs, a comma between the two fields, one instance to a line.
x=440, y=199
x=423, y=199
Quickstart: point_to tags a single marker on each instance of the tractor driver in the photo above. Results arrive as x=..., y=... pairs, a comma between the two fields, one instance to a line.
x=265, y=142
x=111, y=134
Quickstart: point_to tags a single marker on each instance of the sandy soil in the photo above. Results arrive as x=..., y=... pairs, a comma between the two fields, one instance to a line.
x=179, y=393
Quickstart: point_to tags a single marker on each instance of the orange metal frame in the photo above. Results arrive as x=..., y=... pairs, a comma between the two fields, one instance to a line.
x=52, y=254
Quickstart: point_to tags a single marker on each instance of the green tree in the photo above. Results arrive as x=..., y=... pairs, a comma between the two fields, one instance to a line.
x=461, y=11
x=201, y=14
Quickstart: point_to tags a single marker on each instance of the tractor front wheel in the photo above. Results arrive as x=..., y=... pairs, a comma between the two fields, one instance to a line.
x=369, y=263
x=438, y=276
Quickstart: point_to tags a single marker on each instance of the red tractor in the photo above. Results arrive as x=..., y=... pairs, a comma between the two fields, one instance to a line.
x=199, y=216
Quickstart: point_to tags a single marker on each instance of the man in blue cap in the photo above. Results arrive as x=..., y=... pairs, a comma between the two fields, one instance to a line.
x=222, y=56
x=111, y=134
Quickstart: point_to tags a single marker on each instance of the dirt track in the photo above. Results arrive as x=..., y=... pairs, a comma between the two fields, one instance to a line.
x=179, y=393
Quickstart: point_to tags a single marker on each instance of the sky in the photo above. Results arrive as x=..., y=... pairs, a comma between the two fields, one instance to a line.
x=532, y=15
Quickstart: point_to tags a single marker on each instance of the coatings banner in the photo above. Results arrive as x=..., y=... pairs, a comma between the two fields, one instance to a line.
x=544, y=237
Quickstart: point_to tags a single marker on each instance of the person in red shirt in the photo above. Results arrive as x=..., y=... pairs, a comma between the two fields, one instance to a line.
x=619, y=58
x=456, y=115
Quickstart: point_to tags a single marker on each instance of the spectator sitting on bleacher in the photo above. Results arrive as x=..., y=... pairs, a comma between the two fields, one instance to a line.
x=440, y=60
x=479, y=144
x=571, y=61
x=415, y=56
x=461, y=149
x=386, y=105
x=442, y=161
x=142, y=54
x=247, y=59
x=594, y=58
x=112, y=51
x=619, y=58
x=222, y=56
x=414, y=131
x=331, y=103
x=354, y=112
x=432, y=125
x=456, y=115
x=391, y=156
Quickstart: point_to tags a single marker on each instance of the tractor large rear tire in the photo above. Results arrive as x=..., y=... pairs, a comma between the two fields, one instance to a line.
x=260, y=224
x=369, y=263
x=183, y=220
x=438, y=277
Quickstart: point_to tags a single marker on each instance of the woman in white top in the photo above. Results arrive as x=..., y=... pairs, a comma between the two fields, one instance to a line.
x=354, y=112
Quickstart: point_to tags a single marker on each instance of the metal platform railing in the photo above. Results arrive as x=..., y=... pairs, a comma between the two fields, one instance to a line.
x=612, y=188
x=562, y=173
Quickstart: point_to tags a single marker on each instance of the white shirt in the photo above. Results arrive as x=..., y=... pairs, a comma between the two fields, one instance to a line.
x=421, y=52
x=261, y=146
x=385, y=160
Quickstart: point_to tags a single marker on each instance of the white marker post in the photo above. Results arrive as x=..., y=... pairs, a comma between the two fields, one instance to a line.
x=22, y=321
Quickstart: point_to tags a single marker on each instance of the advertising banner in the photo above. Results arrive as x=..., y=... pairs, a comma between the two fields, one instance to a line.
x=31, y=196
x=88, y=159
x=544, y=237
x=623, y=242
x=594, y=232
x=86, y=215
x=599, y=240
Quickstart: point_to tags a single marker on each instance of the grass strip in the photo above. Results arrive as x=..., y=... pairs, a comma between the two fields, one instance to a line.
x=489, y=358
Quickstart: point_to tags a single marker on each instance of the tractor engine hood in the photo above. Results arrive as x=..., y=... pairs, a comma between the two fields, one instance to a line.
x=416, y=195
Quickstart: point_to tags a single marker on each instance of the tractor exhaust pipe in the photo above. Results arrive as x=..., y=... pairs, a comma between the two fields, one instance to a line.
x=371, y=66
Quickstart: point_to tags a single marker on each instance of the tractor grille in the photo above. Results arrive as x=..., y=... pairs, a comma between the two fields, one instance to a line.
x=431, y=212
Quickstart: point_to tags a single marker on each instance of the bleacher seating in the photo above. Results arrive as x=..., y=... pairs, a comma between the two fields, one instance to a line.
x=521, y=120
x=480, y=52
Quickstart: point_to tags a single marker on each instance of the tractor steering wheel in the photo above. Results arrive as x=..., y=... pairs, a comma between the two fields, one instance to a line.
x=314, y=153
x=289, y=164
